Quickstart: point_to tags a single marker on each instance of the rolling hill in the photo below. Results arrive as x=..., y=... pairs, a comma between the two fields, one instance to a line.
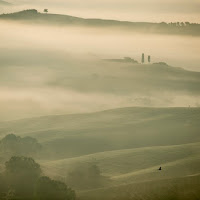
x=100, y=76
x=126, y=169
x=135, y=165
x=110, y=130
x=127, y=144
x=186, y=188
x=32, y=16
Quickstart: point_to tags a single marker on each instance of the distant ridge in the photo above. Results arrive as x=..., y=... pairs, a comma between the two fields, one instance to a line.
x=4, y=3
x=34, y=16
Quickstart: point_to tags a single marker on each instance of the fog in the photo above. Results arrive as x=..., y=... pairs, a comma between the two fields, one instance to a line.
x=175, y=50
x=49, y=70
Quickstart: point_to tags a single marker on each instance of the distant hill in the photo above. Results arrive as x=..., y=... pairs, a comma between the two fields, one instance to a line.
x=55, y=19
x=128, y=77
x=4, y=3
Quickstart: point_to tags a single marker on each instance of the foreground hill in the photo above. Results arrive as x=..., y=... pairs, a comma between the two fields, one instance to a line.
x=135, y=165
x=35, y=17
x=132, y=171
x=80, y=134
x=128, y=145
x=183, y=188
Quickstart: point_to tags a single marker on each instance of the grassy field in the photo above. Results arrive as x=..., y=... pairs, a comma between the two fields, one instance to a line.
x=138, y=164
x=127, y=144
x=172, y=188
x=134, y=174
x=116, y=129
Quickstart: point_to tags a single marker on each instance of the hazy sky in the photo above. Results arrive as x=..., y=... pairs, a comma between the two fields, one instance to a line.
x=134, y=10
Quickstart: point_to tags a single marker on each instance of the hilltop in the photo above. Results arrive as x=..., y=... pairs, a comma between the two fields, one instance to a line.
x=36, y=17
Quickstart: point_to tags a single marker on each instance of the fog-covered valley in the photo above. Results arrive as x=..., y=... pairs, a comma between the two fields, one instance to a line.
x=79, y=101
x=48, y=70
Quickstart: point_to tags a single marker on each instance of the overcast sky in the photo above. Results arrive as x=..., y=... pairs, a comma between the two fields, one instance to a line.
x=134, y=10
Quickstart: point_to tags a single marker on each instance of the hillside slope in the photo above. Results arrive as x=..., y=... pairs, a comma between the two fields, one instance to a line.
x=110, y=130
x=183, y=188
x=134, y=165
x=132, y=171
x=99, y=76
x=36, y=17
x=127, y=144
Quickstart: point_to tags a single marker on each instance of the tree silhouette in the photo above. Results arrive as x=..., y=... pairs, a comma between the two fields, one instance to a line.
x=46, y=11
x=85, y=176
x=16, y=145
x=23, y=181
x=48, y=189
x=22, y=174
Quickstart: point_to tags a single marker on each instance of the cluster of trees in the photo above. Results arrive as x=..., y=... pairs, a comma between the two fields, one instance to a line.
x=22, y=179
x=179, y=23
x=86, y=176
x=15, y=145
